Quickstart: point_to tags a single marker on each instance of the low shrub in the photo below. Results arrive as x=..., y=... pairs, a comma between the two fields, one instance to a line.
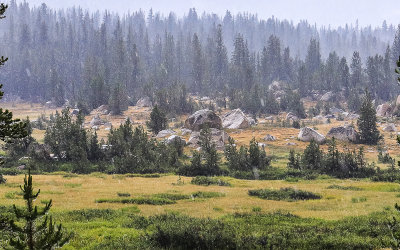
x=124, y=194
x=207, y=195
x=345, y=188
x=287, y=194
x=207, y=181
x=174, y=197
x=91, y=214
x=139, y=201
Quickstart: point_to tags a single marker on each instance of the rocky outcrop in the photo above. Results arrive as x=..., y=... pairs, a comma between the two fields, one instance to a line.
x=235, y=119
x=390, y=128
x=384, y=110
x=291, y=117
x=219, y=137
x=175, y=139
x=309, y=134
x=203, y=118
x=102, y=110
x=96, y=121
x=144, y=102
x=165, y=133
x=344, y=133
x=269, y=138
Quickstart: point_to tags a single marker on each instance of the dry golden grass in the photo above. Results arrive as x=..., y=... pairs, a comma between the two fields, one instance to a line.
x=82, y=191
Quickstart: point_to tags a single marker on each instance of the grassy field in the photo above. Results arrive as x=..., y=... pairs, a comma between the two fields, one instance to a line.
x=106, y=225
x=82, y=191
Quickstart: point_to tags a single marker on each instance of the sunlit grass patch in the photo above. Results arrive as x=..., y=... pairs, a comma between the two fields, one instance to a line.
x=73, y=185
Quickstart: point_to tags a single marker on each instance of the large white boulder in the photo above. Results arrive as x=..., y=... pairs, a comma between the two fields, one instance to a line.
x=384, y=110
x=235, y=119
x=96, y=121
x=165, y=133
x=291, y=117
x=308, y=134
x=344, y=133
x=144, y=102
x=203, y=118
x=175, y=138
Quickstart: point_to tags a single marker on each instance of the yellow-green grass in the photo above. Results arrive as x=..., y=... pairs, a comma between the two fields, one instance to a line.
x=81, y=192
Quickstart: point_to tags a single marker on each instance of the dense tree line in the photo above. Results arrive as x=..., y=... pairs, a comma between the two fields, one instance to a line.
x=97, y=58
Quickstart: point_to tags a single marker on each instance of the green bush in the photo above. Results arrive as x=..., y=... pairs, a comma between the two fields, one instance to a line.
x=123, y=194
x=207, y=195
x=287, y=194
x=139, y=201
x=344, y=188
x=207, y=181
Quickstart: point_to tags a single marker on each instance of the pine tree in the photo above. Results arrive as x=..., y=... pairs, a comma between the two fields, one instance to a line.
x=9, y=128
x=366, y=123
x=209, y=152
x=37, y=233
x=312, y=157
x=158, y=120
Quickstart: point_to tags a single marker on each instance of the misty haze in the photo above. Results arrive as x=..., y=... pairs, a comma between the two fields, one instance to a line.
x=199, y=124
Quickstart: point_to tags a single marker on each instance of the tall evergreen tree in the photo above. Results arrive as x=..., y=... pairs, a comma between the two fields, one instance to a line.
x=369, y=133
x=9, y=128
x=158, y=120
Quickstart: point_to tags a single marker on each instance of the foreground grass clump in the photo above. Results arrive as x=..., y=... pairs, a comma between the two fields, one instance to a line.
x=207, y=181
x=139, y=201
x=287, y=194
x=162, y=198
x=350, y=188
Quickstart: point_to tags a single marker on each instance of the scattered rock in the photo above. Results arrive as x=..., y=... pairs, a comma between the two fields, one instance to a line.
x=352, y=117
x=102, y=110
x=308, y=134
x=291, y=144
x=384, y=110
x=291, y=117
x=185, y=131
x=75, y=112
x=269, y=118
x=327, y=96
x=262, y=145
x=269, y=138
x=275, y=86
x=344, y=133
x=144, y=102
x=165, y=133
x=96, y=121
x=335, y=110
x=203, y=118
x=175, y=138
x=390, y=128
x=205, y=99
x=398, y=100
x=235, y=119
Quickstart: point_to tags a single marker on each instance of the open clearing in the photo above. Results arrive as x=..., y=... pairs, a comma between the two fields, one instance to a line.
x=80, y=192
